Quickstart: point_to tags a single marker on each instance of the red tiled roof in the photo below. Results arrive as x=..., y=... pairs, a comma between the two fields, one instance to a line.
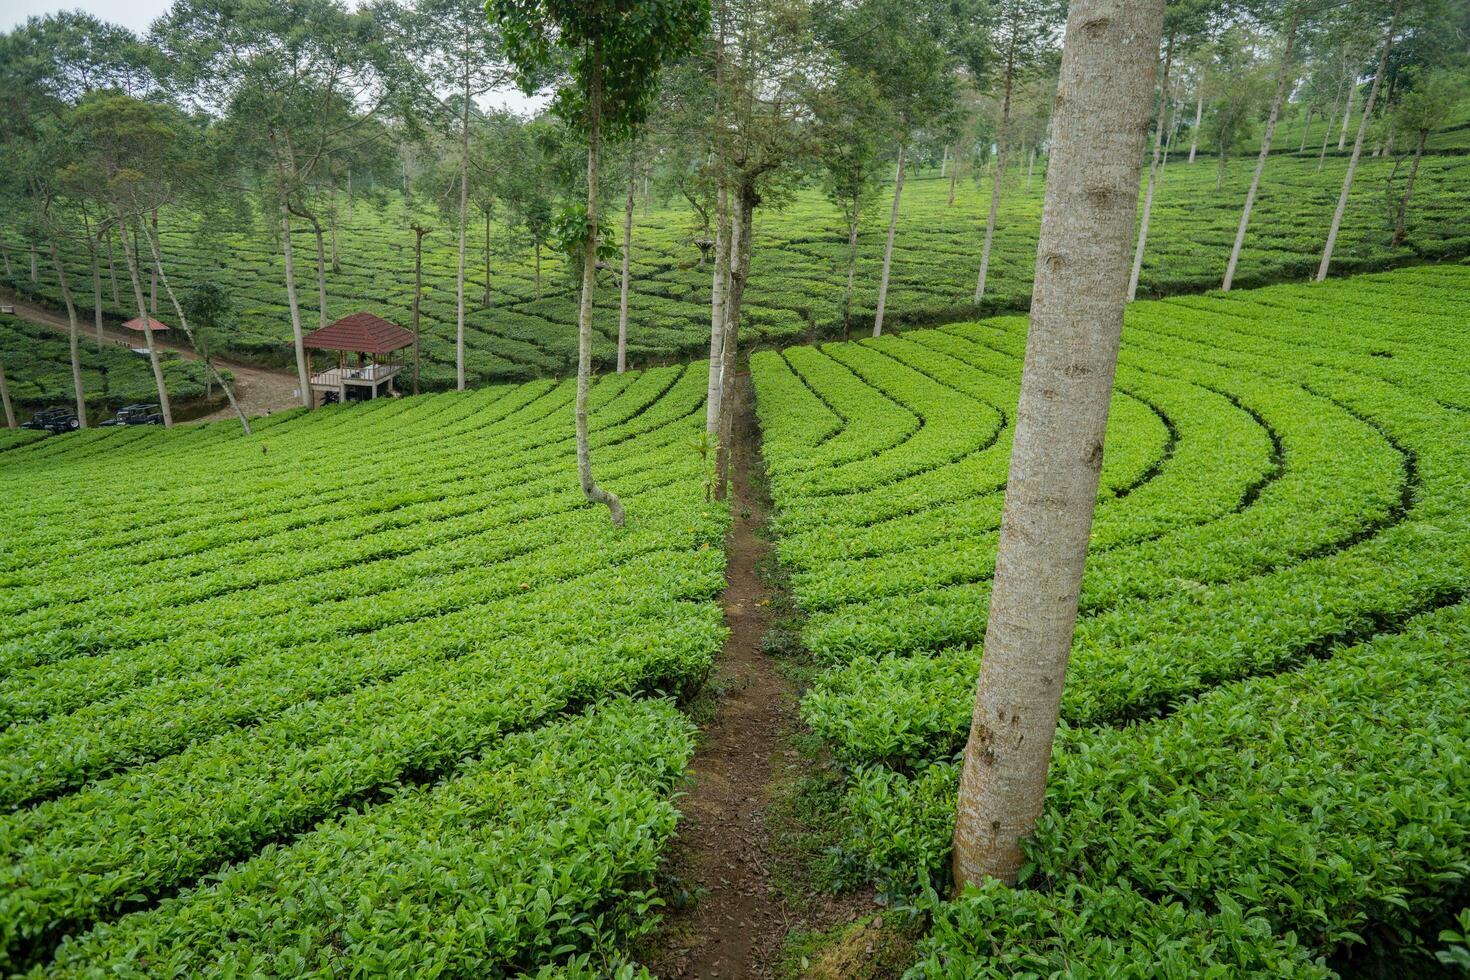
x=361, y=332
x=136, y=323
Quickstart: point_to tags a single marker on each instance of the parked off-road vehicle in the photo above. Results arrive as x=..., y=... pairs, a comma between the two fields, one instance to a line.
x=137, y=415
x=53, y=420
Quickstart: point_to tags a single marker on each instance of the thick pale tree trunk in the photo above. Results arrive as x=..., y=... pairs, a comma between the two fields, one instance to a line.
x=888, y=248
x=627, y=263
x=1102, y=111
x=717, y=315
x=74, y=336
x=5, y=400
x=1000, y=168
x=213, y=372
x=1352, y=168
x=594, y=493
x=1348, y=113
x=464, y=217
x=418, y=291
x=35, y=266
x=303, y=373
x=1400, y=229
x=739, y=257
x=1199, y=115
x=1283, y=79
x=130, y=253
x=92, y=245
x=485, y=300
x=1153, y=174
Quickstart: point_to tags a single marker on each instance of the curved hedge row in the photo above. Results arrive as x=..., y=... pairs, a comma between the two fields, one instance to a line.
x=1308, y=493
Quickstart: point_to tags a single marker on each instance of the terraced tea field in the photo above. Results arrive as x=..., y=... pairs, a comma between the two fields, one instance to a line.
x=370, y=691
x=1265, y=752
x=798, y=268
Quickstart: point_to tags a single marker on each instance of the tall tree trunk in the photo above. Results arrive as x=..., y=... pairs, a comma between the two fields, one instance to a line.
x=485, y=300
x=321, y=263
x=130, y=253
x=5, y=399
x=740, y=247
x=112, y=272
x=152, y=274
x=1199, y=115
x=73, y=336
x=418, y=291
x=954, y=172
x=944, y=162
x=211, y=371
x=1153, y=173
x=303, y=373
x=717, y=315
x=852, y=241
x=92, y=246
x=332, y=228
x=464, y=218
x=538, y=270
x=1283, y=79
x=1400, y=229
x=35, y=266
x=1352, y=168
x=1352, y=91
x=594, y=493
x=1306, y=125
x=888, y=248
x=9, y=269
x=1220, y=172
x=1102, y=110
x=1000, y=167
x=627, y=259
x=1030, y=167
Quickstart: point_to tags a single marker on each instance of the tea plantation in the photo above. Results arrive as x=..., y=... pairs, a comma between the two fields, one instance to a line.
x=798, y=269
x=1265, y=756
x=369, y=692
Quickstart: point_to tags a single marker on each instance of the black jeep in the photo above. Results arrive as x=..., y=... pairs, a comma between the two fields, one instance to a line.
x=53, y=420
x=137, y=415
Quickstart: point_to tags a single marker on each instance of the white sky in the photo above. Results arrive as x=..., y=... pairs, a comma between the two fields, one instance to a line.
x=138, y=15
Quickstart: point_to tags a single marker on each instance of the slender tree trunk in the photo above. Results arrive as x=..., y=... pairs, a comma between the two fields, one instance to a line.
x=627, y=259
x=1220, y=172
x=73, y=336
x=944, y=162
x=1352, y=168
x=717, y=316
x=321, y=273
x=130, y=253
x=1199, y=115
x=332, y=227
x=485, y=300
x=1352, y=91
x=1283, y=79
x=1306, y=125
x=594, y=493
x=9, y=269
x=1153, y=174
x=35, y=266
x=153, y=275
x=211, y=371
x=538, y=270
x=464, y=218
x=92, y=246
x=1400, y=226
x=740, y=247
x=852, y=241
x=112, y=272
x=1103, y=104
x=954, y=172
x=1000, y=167
x=1030, y=167
x=888, y=248
x=303, y=374
x=418, y=292
x=5, y=399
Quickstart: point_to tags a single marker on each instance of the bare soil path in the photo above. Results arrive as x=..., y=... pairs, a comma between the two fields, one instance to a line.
x=725, y=856
x=260, y=391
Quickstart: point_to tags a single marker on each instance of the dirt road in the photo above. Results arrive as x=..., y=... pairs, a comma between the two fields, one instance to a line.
x=261, y=391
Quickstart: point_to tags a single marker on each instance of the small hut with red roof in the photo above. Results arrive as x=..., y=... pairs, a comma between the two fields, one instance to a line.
x=376, y=344
x=136, y=325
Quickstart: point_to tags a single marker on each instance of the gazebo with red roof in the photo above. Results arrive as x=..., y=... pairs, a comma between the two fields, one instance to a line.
x=375, y=341
x=154, y=324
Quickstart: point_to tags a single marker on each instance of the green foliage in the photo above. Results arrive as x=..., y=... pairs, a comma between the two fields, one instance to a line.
x=377, y=724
